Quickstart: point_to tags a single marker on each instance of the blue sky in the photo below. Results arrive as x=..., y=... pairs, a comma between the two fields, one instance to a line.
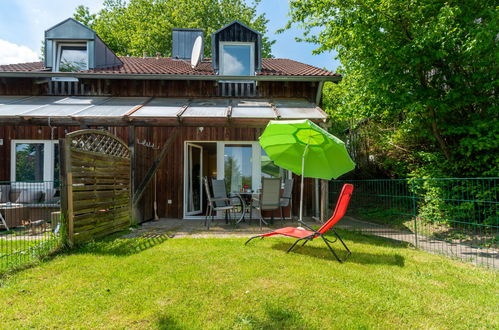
x=22, y=23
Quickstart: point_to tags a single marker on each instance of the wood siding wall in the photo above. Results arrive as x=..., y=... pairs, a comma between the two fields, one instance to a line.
x=21, y=86
x=161, y=88
x=170, y=176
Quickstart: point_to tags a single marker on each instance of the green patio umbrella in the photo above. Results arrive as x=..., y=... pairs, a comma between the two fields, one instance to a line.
x=305, y=149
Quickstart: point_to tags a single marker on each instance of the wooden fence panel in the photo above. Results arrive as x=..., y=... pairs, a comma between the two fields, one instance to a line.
x=95, y=171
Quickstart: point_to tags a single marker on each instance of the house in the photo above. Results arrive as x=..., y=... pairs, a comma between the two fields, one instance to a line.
x=218, y=108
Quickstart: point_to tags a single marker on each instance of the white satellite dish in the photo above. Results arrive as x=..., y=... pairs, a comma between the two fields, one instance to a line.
x=196, y=52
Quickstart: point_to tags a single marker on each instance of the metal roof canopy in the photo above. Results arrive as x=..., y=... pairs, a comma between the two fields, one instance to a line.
x=152, y=111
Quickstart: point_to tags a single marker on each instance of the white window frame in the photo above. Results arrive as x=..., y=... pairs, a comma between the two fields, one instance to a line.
x=57, y=57
x=48, y=158
x=255, y=165
x=233, y=43
x=58, y=53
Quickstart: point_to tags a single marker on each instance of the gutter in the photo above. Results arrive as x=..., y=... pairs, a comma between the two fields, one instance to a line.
x=155, y=76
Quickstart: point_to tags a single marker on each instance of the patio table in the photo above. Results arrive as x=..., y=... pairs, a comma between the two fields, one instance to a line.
x=246, y=198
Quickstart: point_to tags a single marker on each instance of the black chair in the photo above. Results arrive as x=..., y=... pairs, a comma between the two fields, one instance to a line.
x=217, y=203
x=269, y=198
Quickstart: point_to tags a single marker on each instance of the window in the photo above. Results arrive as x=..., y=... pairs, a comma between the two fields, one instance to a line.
x=238, y=167
x=29, y=161
x=237, y=59
x=242, y=164
x=71, y=57
x=34, y=161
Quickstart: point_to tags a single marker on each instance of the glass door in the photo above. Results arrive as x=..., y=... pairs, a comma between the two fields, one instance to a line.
x=194, y=182
x=237, y=164
x=238, y=167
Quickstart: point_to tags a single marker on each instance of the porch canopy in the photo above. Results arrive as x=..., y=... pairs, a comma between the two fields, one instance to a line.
x=152, y=111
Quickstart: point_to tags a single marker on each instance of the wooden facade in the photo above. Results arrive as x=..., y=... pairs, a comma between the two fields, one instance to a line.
x=159, y=88
x=170, y=176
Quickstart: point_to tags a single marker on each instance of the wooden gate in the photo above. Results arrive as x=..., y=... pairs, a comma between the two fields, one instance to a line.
x=96, y=196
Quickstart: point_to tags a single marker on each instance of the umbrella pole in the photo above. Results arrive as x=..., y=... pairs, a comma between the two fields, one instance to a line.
x=302, y=177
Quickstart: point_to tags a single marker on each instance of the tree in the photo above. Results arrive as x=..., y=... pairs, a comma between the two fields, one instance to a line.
x=419, y=76
x=137, y=26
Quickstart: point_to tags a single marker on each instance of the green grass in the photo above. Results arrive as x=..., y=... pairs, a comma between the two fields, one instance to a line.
x=11, y=246
x=191, y=283
x=18, y=253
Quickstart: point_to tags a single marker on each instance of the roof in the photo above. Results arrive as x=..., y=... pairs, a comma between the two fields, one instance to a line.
x=154, y=111
x=236, y=22
x=169, y=66
x=71, y=21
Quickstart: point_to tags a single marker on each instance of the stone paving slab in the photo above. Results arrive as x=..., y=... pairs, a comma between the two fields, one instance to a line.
x=196, y=228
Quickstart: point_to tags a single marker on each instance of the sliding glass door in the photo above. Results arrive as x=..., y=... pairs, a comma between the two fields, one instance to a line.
x=237, y=166
x=242, y=164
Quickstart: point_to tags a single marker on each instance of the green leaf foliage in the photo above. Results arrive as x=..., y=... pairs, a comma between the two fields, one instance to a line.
x=419, y=84
x=137, y=26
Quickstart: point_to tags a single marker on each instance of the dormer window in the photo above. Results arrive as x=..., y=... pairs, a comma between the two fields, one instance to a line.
x=71, y=46
x=236, y=50
x=237, y=59
x=71, y=57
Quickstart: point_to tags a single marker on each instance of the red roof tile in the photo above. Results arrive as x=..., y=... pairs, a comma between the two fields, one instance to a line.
x=22, y=67
x=166, y=65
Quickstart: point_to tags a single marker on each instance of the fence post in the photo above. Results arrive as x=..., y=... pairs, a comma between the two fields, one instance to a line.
x=414, y=212
x=66, y=191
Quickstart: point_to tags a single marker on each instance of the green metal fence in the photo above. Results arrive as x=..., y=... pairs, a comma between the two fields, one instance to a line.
x=29, y=222
x=458, y=217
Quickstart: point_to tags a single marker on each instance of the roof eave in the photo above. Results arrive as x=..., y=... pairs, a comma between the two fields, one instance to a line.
x=86, y=75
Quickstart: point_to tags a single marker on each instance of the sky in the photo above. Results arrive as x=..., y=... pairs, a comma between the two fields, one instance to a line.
x=22, y=23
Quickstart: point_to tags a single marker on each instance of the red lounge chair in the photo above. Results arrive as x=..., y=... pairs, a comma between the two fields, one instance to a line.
x=308, y=235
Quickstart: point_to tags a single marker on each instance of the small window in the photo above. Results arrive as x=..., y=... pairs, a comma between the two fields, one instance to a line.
x=29, y=161
x=237, y=59
x=35, y=160
x=71, y=57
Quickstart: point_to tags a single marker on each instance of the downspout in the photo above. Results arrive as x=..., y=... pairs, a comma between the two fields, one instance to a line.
x=318, y=96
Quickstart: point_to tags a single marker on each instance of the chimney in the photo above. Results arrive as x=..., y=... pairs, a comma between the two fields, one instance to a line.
x=183, y=41
x=158, y=54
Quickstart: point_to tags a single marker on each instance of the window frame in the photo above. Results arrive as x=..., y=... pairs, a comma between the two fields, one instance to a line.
x=237, y=43
x=58, y=53
x=48, y=158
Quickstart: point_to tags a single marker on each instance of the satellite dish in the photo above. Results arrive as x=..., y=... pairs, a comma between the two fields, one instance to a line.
x=196, y=52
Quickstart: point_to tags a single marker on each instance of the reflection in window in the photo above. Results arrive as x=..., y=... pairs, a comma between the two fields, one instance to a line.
x=238, y=167
x=269, y=169
x=29, y=161
x=237, y=60
x=72, y=58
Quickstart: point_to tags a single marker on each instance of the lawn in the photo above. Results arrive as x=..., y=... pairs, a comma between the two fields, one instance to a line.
x=190, y=283
x=18, y=252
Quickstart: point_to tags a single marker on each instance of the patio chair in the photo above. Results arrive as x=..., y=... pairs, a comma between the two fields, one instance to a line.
x=309, y=234
x=269, y=198
x=217, y=203
x=286, y=197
